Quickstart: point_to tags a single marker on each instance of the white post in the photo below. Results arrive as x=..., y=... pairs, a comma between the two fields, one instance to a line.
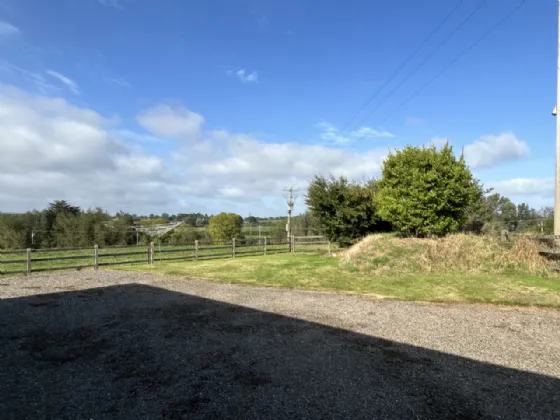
x=265, y=245
x=233, y=249
x=293, y=244
x=96, y=257
x=152, y=253
x=196, y=250
x=557, y=183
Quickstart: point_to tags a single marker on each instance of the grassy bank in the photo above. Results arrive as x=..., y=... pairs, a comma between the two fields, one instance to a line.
x=318, y=272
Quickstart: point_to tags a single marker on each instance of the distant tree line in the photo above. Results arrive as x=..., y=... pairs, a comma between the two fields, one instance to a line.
x=62, y=225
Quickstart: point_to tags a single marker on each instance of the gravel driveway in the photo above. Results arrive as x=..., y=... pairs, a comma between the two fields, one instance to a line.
x=123, y=345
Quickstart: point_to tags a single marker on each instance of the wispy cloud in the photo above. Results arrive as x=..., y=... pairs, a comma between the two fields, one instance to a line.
x=34, y=78
x=7, y=29
x=119, y=81
x=117, y=4
x=371, y=133
x=247, y=77
x=69, y=83
x=333, y=135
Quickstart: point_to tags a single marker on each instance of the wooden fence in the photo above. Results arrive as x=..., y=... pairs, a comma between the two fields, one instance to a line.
x=27, y=261
x=310, y=243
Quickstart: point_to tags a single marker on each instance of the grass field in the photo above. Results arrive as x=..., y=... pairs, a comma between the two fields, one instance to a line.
x=319, y=272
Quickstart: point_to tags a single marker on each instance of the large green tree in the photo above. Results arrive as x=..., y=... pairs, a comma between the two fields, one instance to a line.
x=342, y=210
x=225, y=226
x=425, y=191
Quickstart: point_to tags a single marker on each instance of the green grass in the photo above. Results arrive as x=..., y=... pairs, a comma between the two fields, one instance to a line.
x=317, y=272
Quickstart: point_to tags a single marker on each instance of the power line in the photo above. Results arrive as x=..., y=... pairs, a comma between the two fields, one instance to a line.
x=408, y=60
x=465, y=52
x=439, y=47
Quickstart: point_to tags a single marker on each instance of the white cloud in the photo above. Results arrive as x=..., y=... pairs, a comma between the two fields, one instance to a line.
x=331, y=134
x=136, y=137
x=172, y=122
x=231, y=192
x=247, y=77
x=7, y=29
x=490, y=150
x=54, y=150
x=66, y=81
x=524, y=186
x=255, y=169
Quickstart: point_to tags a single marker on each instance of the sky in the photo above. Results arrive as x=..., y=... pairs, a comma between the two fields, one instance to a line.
x=205, y=106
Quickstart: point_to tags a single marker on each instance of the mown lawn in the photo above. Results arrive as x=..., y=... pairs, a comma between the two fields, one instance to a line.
x=319, y=272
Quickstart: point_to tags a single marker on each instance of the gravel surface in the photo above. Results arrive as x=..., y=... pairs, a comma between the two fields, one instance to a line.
x=124, y=345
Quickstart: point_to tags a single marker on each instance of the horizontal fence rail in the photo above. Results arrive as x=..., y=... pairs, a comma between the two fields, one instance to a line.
x=30, y=261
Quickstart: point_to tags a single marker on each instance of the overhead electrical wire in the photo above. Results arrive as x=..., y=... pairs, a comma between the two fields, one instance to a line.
x=415, y=69
x=403, y=65
x=465, y=52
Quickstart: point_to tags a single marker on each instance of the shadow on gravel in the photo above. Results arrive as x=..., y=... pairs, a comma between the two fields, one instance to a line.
x=139, y=352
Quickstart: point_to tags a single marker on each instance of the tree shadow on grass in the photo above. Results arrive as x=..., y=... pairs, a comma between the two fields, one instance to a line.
x=140, y=352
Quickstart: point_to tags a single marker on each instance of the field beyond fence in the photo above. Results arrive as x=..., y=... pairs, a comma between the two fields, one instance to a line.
x=28, y=261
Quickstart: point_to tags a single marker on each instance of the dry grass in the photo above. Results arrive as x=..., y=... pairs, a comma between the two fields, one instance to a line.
x=470, y=254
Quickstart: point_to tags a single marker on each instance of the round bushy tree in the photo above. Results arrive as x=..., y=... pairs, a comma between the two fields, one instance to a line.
x=225, y=226
x=425, y=191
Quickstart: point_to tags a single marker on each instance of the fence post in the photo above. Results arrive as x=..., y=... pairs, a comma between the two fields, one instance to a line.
x=329, y=250
x=196, y=250
x=293, y=244
x=233, y=249
x=265, y=245
x=96, y=257
x=152, y=252
x=28, y=261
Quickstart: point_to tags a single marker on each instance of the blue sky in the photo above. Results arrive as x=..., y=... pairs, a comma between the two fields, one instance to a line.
x=218, y=105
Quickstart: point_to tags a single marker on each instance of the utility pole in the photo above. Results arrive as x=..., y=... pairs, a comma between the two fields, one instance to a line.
x=557, y=112
x=290, y=209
